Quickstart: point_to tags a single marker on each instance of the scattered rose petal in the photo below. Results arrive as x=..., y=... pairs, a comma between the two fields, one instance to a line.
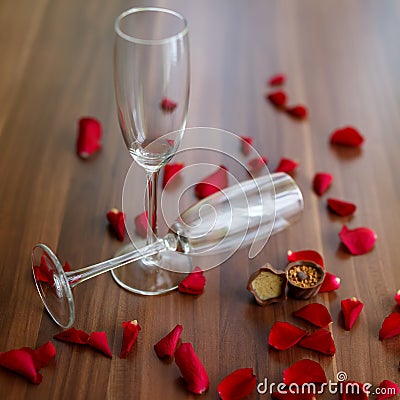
x=315, y=313
x=246, y=143
x=141, y=224
x=28, y=362
x=168, y=105
x=321, y=182
x=116, y=219
x=397, y=297
x=44, y=354
x=73, y=335
x=340, y=207
x=277, y=80
x=89, y=135
x=387, y=389
x=192, y=370
x=278, y=98
x=131, y=331
x=390, y=326
x=67, y=267
x=347, y=136
x=286, y=165
x=21, y=361
x=330, y=283
x=284, y=335
x=213, y=183
x=359, y=240
x=287, y=394
x=97, y=340
x=304, y=371
x=194, y=283
x=170, y=170
x=171, y=142
x=298, y=111
x=167, y=345
x=255, y=164
x=306, y=255
x=43, y=273
x=321, y=341
x=237, y=385
x=351, y=309
x=352, y=390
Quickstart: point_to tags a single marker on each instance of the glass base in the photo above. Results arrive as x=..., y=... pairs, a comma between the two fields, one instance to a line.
x=152, y=276
x=53, y=286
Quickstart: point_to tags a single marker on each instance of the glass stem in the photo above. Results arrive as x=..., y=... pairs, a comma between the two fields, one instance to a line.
x=151, y=206
x=83, y=274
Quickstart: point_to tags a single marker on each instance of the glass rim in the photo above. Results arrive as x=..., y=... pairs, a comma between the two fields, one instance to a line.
x=133, y=39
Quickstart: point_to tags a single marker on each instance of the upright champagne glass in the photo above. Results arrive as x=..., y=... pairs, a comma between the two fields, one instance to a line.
x=152, y=81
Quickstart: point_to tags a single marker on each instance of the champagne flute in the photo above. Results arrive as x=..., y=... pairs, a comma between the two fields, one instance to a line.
x=220, y=224
x=152, y=81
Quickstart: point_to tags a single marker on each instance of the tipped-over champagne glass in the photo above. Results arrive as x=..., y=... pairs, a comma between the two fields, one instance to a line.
x=220, y=224
x=152, y=80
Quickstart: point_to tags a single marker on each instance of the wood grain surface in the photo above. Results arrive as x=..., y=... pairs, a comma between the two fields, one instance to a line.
x=342, y=61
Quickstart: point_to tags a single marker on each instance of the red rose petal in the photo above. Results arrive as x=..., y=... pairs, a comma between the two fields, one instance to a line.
x=321, y=182
x=116, y=219
x=347, y=136
x=98, y=340
x=170, y=170
x=277, y=80
x=284, y=335
x=27, y=362
x=340, y=207
x=359, y=240
x=304, y=371
x=298, y=111
x=67, y=267
x=43, y=273
x=141, y=224
x=89, y=135
x=167, y=345
x=192, y=370
x=397, y=297
x=194, y=283
x=73, y=335
x=351, y=309
x=352, y=390
x=321, y=341
x=246, y=143
x=330, y=283
x=278, y=98
x=315, y=313
x=237, y=385
x=390, y=326
x=131, y=331
x=44, y=354
x=387, y=389
x=286, y=394
x=306, y=255
x=255, y=164
x=286, y=165
x=168, y=105
x=21, y=361
x=213, y=183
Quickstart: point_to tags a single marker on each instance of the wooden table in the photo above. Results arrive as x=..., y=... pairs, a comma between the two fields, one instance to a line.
x=342, y=61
